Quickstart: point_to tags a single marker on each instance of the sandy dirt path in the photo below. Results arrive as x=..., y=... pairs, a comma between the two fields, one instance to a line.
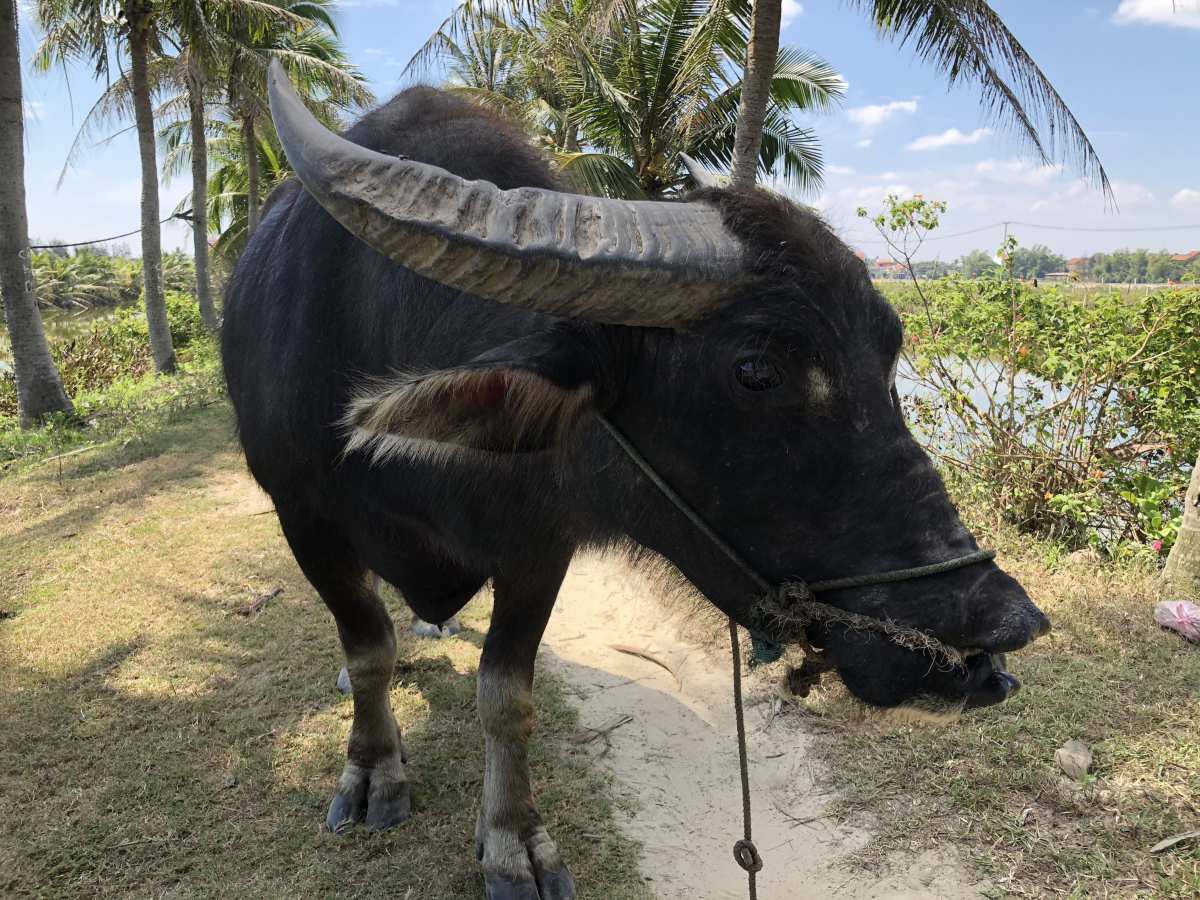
x=675, y=760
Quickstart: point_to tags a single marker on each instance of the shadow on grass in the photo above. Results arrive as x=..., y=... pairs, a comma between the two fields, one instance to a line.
x=153, y=741
x=205, y=763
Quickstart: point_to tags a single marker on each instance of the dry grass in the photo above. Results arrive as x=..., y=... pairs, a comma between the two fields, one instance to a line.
x=154, y=742
x=989, y=784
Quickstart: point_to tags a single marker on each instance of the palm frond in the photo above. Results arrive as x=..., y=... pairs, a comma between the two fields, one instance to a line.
x=599, y=174
x=968, y=41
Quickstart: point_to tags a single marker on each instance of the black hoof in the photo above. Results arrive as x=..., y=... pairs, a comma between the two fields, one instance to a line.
x=505, y=887
x=556, y=885
x=384, y=812
x=370, y=796
x=348, y=808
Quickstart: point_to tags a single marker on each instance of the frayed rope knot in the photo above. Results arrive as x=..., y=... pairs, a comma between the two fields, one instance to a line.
x=788, y=611
x=747, y=856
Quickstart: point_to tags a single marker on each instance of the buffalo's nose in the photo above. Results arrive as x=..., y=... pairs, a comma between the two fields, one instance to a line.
x=1016, y=629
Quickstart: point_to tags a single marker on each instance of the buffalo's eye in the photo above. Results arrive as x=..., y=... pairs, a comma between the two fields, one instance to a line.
x=757, y=373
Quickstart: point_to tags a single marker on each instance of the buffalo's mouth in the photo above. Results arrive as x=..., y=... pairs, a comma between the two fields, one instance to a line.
x=987, y=682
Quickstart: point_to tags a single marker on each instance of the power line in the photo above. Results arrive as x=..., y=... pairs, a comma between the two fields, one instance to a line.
x=1085, y=228
x=1006, y=224
x=184, y=216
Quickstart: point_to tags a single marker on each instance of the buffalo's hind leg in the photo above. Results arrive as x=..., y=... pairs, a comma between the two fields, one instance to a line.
x=373, y=787
x=520, y=859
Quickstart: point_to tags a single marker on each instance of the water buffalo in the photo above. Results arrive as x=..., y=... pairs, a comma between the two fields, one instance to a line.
x=420, y=341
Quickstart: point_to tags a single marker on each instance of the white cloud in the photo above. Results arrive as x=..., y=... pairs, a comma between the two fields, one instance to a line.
x=1017, y=171
x=1130, y=193
x=951, y=137
x=1186, y=199
x=839, y=170
x=876, y=193
x=33, y=109
x=863, y=144
x=1175, y=13
x=790, y=10
x=874, y=115
x=375, y=51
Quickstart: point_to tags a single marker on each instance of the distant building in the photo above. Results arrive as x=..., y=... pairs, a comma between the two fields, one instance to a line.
x=886, y=268
x=1057, y=276
x=1186, y=257
x=1078, y=264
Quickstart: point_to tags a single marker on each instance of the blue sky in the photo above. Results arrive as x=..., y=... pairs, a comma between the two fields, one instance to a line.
x=1127, y=68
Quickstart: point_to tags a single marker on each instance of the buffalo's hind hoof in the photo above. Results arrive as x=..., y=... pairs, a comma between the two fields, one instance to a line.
x=374, y=796
x=424, y=629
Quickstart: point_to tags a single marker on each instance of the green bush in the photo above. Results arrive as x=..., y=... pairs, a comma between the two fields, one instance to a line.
x=1078, y=417
x=114, y=348
x=1075, y=416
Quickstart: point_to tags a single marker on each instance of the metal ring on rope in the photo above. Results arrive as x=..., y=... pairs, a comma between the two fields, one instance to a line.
x=747, y=856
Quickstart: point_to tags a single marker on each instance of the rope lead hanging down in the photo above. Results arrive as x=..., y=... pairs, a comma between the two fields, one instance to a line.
x=744, y=850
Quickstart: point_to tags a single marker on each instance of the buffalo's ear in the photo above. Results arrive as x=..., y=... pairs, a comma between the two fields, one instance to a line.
x=528, y=395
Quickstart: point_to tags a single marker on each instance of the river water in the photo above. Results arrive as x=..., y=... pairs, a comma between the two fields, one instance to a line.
x=59, y=323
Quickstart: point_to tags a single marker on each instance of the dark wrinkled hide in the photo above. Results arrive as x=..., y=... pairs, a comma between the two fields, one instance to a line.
x=816, y=479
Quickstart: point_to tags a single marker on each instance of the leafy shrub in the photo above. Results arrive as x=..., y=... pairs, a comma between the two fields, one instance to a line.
x=113, y=348
x=1076, y=417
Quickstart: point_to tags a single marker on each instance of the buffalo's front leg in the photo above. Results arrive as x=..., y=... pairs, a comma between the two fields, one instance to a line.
x=520, y=859
x=373, y=787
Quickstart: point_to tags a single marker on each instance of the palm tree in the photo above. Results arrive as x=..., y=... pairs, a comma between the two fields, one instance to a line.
x=967, y=41
x=636, y=85
x=91, y=30
x=39, y=387
x=226, y=212
x=761, y=51
x=314, y=58
x=229, y=201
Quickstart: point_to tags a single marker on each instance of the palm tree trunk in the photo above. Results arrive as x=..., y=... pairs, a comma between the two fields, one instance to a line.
x=250, y=143
x=1183, y=565
x=39, y=388
x=156, y=307
x=761, y=55
x=200, y=194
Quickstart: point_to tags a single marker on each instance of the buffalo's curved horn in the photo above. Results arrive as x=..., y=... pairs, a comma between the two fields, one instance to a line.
x=703, y=177
x=611, y=261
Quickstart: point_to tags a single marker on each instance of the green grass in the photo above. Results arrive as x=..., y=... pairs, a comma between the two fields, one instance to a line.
x=156, y=742
x=989, y=783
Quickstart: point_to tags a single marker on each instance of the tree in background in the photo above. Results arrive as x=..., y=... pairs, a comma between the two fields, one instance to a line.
x=97, y=31
x=238, y=179
x=227, y=193
x=966, y=40
x=1036, y=261
x=317, y=64
x=39, y=389
x=762, y=48
x=976, y=263
x=617, y=92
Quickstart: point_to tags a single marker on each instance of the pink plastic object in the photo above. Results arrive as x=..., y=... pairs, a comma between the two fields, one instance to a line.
x=1181, y=616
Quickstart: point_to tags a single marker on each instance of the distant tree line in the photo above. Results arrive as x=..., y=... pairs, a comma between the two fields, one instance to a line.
x=1118, y=267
